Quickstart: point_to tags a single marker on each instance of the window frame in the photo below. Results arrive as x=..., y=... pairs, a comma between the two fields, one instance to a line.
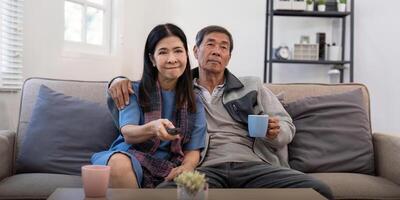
x=83, y=46
x=11, y=45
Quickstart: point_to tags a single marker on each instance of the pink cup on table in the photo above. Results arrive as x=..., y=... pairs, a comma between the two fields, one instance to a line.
x=95, y=180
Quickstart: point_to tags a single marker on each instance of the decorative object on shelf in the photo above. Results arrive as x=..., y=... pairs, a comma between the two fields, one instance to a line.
x=334, y=75
x=191, y=186
x=298, y=4
x=283, y=5
x=305, y=39
x=290, y=5
x=305, y=52
x=282, y=53
x=321, y=40
x=331, y=5
x=315, y=53
x=334, y=52
x=341, y=5
x=310, y=5
x=321, y=5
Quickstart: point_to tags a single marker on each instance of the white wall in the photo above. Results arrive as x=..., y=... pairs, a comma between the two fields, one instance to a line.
x=43, y=47
x=376, y=38
x=44, y=55
x=246, y=21
x=377, y=60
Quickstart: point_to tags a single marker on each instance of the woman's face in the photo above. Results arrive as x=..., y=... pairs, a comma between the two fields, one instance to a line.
x=170, y=58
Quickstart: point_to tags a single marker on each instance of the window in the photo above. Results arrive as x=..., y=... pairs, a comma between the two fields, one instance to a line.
x=87, y=25
x=11, y=45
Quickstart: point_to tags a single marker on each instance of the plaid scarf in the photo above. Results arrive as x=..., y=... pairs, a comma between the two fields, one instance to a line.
x=155, y=169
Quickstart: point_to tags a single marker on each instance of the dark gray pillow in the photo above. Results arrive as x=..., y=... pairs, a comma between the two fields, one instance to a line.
x=332, y=134
x=63, y=134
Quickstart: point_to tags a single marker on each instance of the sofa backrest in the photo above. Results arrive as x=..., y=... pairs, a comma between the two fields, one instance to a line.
x=88, y=90
x=96, y=91
x=295, y=91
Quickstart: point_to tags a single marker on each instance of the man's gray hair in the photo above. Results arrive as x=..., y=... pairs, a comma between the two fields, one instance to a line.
x=213, y=29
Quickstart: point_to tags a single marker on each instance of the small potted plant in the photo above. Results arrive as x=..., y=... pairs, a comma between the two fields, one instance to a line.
x=321, y=5
x=310, y=5
x=341, y=5
x=191, y=186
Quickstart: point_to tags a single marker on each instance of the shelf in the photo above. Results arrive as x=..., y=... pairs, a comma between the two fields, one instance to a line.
x=316, y=62
x=291, y=13
x=344, y=32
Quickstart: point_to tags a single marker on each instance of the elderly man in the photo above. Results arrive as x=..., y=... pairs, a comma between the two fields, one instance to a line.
x=233, y=159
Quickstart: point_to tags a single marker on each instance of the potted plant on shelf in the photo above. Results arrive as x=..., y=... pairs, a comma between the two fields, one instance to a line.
x=321, y=5
x=310, y=5
x=341, y=5
x=191, y=186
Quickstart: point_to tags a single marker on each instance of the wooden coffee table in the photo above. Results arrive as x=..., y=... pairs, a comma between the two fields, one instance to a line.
x=214, y=194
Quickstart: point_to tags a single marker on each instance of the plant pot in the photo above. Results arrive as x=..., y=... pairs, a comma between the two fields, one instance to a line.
x=321, y=8
x=341, y=7
x=185, y=194
x=310, y=7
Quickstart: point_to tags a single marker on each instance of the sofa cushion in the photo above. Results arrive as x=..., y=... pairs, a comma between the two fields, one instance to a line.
x=359, y=186
x=36, y=185
x=332, y=134
x=63, y=134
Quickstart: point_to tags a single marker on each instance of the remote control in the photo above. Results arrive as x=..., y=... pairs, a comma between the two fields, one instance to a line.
x=173, y=131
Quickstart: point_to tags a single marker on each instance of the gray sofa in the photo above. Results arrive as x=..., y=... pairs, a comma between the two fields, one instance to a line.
x=385, y=184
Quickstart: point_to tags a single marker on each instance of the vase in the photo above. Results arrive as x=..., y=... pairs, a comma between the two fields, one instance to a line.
x=184, y=193
x=334, y=76
x=321, y=7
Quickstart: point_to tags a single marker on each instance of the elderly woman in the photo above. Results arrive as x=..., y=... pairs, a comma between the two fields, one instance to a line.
x=163, y=128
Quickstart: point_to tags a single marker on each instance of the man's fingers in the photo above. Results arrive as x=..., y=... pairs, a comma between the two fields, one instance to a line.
x=114, y=96
x=120, y=100
x=272, y=134
x=125, y=94
x=130, y=89
x=273, y=120
x=273, y=126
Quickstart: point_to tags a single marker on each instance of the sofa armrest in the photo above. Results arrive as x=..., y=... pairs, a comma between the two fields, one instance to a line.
x=387, y=156
x=7, y=139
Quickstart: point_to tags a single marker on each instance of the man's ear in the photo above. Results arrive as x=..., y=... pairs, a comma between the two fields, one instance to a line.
x=196, y=51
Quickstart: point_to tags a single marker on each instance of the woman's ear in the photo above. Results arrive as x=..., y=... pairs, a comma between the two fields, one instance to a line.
x=152, y=60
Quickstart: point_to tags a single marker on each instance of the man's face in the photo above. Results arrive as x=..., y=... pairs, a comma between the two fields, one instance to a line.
x=213, y=53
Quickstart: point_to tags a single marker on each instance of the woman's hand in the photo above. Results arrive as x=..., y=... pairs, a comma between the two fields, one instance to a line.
x=178, y=170
x=190, y=161
x=158, y=128
x=135, y=134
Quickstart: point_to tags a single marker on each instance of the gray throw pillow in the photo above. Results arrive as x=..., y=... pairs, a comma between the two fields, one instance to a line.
x=332, y=134
x=63, y=134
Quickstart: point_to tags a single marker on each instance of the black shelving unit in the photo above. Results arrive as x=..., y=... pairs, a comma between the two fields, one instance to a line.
x=340, y=65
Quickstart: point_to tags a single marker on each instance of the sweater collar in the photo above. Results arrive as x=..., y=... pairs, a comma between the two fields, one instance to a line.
x=231, y=81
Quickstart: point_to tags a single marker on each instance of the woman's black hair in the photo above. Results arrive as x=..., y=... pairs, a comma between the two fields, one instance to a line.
x=184, y=86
